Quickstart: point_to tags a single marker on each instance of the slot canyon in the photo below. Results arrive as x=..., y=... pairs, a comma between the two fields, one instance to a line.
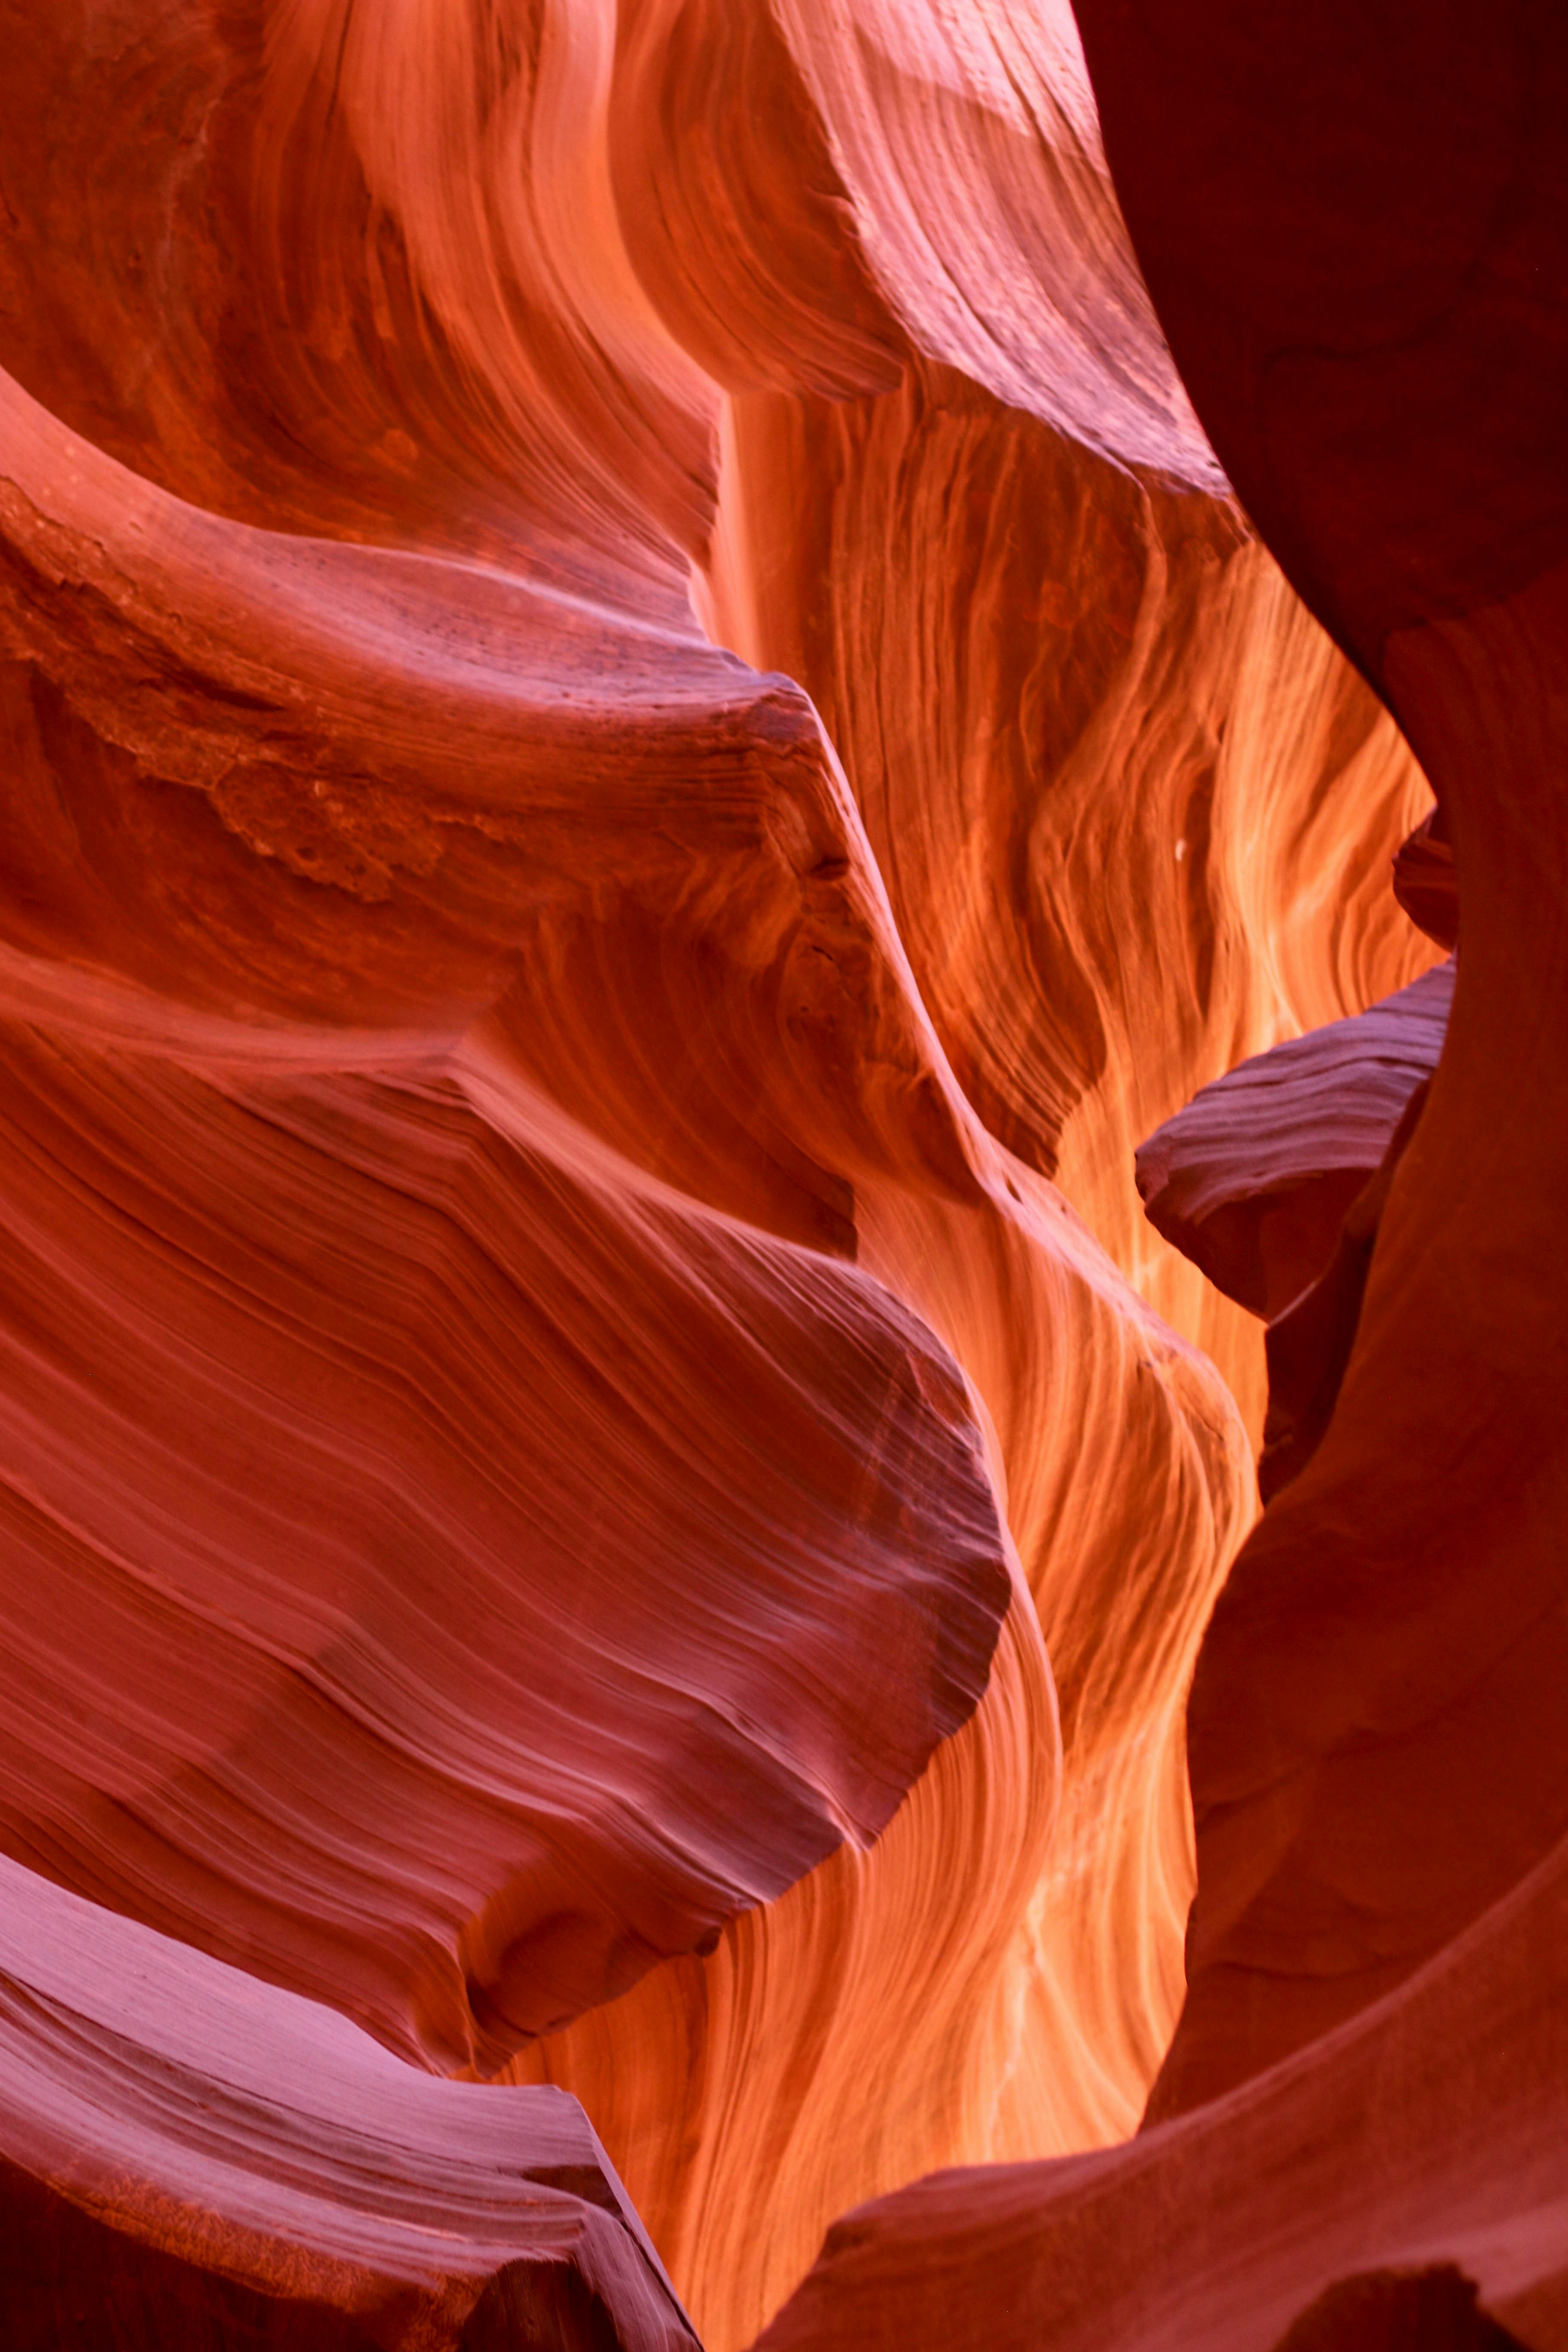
x=784, y=1320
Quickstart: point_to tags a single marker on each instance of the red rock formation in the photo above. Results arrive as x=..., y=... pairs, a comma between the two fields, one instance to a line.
x=1252, y=1179
x=1426, y=2132
x=1308, y=1343
x=187, y=2155
x=1424, y=880
x=602, y=1471
x=364, y=1270
x=1381, y=2311
x=456, y=1042
x=1059, y=689
x=1356, y=236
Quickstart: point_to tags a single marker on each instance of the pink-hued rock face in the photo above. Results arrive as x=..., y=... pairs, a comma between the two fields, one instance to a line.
x=1252, y=1179
x=644, y=743
x=187, y=2149
x=354, y=1556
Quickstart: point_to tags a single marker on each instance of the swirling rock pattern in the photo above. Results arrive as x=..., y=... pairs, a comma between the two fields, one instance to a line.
x=1061, y=690
x=644, y=741
x=365, y=1273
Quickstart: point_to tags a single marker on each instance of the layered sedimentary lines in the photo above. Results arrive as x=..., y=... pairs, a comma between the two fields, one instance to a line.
x=191, y=2156
x=1064, y=695
x=644, y=743
x=360, y=1558
x=1252, y=1179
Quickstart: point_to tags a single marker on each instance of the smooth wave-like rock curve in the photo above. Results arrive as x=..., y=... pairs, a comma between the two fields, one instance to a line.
x=1027, y=1954
x=1029, y=786
x=552, y=1759
x=189, y=2157
x=247, y=733
x=1062, y=691
x=460, y=1042
x=970, y=150
x=605, y=1474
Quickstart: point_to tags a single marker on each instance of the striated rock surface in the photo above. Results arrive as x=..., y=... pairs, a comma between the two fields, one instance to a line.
x=1252, y=1179
x=535, y=1410
x=365, y=1273
x=1061, y=691
x=1423, y=2135
x=644, y=740
x=187, y=2155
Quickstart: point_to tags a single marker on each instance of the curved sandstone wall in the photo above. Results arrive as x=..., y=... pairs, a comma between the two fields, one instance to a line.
x=645, y=742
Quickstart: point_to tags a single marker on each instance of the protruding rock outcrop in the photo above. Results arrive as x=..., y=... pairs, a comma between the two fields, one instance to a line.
x=322, y=1369
x=1253, y=1178
x=190, y=2158
x=1274, y=1181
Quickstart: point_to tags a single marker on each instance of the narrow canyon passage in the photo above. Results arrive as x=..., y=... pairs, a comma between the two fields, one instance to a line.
x=717, y=987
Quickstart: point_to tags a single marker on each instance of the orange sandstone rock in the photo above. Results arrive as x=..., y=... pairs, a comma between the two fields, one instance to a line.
x=1423, y=2133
